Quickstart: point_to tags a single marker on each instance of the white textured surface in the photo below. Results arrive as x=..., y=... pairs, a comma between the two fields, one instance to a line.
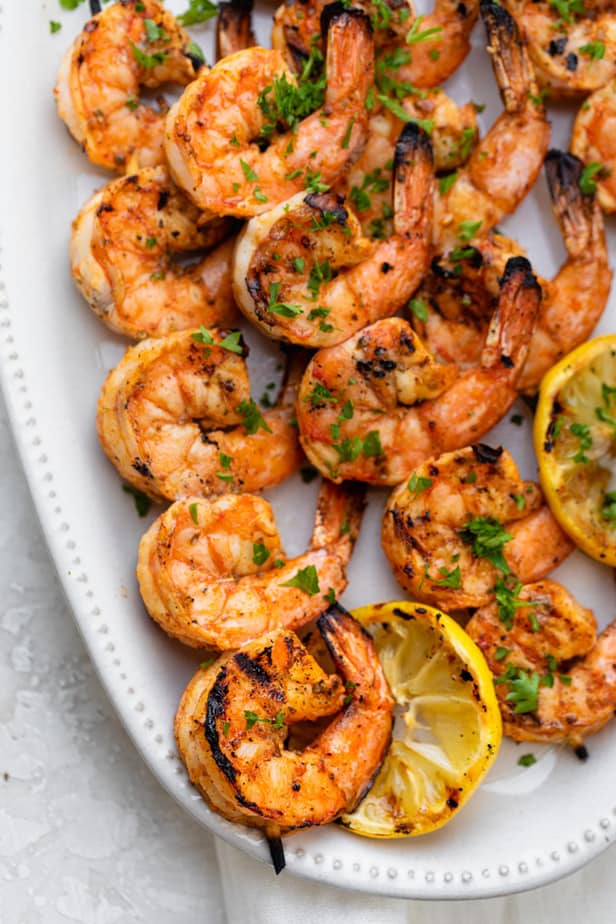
x=88, y=835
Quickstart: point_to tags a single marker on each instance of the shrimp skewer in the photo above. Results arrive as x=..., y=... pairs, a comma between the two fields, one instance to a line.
x=291, y=268
x=242, y=767
x=553, y=654
x=133, y=44
x=484, y=192
x=377, y=405
x=175, y=417
x=458, y=304
x=210, y=131
x=124, y=246
x=213, y=573
x=465, y=525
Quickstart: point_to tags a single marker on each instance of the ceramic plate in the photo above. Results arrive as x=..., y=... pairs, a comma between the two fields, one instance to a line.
x=526, y=826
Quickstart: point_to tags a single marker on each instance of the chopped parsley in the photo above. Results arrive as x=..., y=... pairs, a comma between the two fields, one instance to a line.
x=194, y=513
x=608, y=507
x=523, y=688
x=507, y=600
x=468, y=229
x=582, y=432
x=260, y=553
x=253, y=418
x=418, y=484
x=587, y=181
x=527, y=760
x=419, y=309
x=284, y=104
x=248, y=172
x=142, y=501
x=593, y=50
x=446, y=182
x=415, y=35
x=284, y=309
x=145, y=60
x=486, y=536
x=306, y=579
x=198, y=11
x=54, y=26
x=252, y=718
x=319, y=394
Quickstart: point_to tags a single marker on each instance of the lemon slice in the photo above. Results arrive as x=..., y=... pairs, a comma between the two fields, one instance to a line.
x=575, y=443
x=448, y=725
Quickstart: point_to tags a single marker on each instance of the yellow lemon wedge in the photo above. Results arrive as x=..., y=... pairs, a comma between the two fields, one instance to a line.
x=575, y=444
x=448, y=726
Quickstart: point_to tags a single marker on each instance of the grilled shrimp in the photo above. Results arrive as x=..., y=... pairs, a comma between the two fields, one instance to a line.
x=123, y=246
x=296, y=32
x=506, y=162
x=176, y=419
x=234, y=27
x=573, y=50
x=465, y=525
x=377, y=405
x=433, y=46
x=132, y=44
x=458, y=305
x=234, y=718
x=594, y=141
x=213, y=573
x=552, y=653
x=299, y=276
x=367, y=183
x=211, y=131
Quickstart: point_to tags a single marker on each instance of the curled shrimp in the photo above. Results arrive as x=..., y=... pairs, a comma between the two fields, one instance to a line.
x=433, y=46
x=248, y=703
x=464, y=522
x=124, y=248
x=458, y=303
x=213, y=572
x=211, y=131
x=553, y=654
x=574, y=52
x=594, y=141
x=296, y=32
x=506, y=162
x=377, y=405
x=234, y=27
x=366, y=185
x=299, y=277
x=175, y=417
x=132, y=44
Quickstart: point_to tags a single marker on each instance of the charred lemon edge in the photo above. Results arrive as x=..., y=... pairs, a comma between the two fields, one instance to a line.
x=469, y=653
x=552, y=383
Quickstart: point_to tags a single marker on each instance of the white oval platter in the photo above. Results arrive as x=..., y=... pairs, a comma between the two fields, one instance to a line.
x=526, y=826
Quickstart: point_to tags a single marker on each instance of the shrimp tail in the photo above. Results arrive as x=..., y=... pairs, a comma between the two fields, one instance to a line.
x=577, y=213
x=234, y=30
x=414, y=195
x=513, y=321
x=352, y=651
x=339, y=513
x=513, y=70
x=337, y=12
x=276, y=850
